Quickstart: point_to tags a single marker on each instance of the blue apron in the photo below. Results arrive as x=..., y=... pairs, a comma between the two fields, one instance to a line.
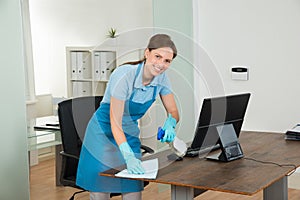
x=100, y=152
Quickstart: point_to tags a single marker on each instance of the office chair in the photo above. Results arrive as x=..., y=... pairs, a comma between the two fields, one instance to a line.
x=74, y=115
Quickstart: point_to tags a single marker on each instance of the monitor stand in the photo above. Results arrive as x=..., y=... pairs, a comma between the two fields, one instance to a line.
x=230, y=146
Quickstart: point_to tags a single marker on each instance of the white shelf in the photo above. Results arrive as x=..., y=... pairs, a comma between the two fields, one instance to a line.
x=101, y=81
x=88, y=70
x=83, y=80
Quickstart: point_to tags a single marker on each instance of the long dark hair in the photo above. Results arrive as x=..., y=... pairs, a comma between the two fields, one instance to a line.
x=155, y=42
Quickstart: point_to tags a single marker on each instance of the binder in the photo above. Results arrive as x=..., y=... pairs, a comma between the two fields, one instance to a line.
x=86, y=89
x=74, y=65
x=75, y=89
x=111, y=63
x=103, y=66
x=97, y=66
x=80, y=61
x=80, y=65
x=81, y=88
x=104, y=62
x=107, y=60
x=86, y=65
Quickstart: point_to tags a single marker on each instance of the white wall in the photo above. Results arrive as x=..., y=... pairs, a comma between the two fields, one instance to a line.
x=14, y=173
x=57, y=24
x=263, y=35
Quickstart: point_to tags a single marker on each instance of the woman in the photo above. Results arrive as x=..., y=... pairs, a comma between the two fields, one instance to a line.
x=112, y=135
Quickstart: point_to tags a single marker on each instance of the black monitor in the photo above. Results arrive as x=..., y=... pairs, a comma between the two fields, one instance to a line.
x=218, y=111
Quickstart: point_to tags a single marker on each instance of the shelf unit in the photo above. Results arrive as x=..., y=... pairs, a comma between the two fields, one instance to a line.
x=88, y=70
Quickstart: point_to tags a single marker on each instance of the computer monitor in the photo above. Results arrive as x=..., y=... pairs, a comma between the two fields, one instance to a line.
x=218, y=111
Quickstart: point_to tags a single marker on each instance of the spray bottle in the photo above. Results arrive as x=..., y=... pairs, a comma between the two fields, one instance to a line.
x=177, y=146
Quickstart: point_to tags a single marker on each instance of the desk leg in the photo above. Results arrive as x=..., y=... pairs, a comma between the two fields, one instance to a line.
x=181, y=193
x=33, y=157
x=58, y=149
x=277, y=191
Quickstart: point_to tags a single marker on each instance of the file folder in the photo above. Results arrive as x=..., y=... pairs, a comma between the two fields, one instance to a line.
x=81, y=65
x=85, y=65
x=74, y=65
x=293, y=134
x=110, y=63
x=97, y=66
x=104, y=65
x=81, y=88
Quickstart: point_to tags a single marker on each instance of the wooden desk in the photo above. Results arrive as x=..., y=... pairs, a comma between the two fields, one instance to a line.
x=243, y=176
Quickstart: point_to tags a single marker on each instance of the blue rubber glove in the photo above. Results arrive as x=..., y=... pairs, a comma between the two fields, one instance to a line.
x=169, y=128
x=133, y=164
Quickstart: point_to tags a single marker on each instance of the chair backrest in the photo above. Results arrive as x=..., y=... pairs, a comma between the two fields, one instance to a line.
x=74, y=115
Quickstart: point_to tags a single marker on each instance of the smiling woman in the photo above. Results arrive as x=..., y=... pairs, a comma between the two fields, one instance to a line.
x=158, y=60
x=112, y=137
x=158, y=56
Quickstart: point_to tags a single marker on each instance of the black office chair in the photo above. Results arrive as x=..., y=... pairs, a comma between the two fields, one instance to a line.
x=74, y=115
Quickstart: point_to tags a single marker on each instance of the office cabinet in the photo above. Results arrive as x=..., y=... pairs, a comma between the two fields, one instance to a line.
x=88, y=70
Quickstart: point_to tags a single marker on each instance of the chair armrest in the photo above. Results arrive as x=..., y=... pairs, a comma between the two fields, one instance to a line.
x=68, y=155
x=147, y=149
x=143, y=147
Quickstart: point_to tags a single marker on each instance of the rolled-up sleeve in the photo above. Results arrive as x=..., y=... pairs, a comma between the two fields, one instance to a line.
x=165, y=86
x=121, y=82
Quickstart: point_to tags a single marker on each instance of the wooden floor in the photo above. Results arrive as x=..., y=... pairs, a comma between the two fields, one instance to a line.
x=42, y=187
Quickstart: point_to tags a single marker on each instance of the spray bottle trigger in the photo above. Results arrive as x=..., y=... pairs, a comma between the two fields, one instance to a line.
x=160, y=133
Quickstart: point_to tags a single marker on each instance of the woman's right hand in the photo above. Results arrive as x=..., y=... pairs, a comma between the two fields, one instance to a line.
x=169, y=128
x=134, y=165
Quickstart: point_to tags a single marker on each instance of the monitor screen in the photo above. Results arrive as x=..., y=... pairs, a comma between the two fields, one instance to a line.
x=217, y=111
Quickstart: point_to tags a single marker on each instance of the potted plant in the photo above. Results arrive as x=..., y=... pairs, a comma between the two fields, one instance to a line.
x=112, y=33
